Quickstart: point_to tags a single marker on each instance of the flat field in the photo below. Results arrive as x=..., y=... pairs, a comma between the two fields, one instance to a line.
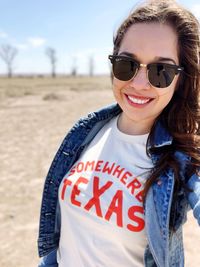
x=35, y=115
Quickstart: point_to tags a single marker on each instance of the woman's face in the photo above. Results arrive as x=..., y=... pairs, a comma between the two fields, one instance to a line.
x=141, y=103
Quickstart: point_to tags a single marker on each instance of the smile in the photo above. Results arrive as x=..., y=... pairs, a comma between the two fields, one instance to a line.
x=138, y=100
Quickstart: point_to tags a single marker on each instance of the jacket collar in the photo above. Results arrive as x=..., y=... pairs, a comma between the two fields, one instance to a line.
x=161, y=137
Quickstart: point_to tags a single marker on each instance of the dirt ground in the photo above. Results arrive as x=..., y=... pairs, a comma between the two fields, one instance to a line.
x=35, y=115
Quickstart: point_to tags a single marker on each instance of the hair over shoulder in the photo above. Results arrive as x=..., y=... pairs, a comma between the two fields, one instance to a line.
x=181, y=117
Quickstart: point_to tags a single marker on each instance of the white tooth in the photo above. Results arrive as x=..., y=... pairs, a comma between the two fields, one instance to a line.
x=138, y=101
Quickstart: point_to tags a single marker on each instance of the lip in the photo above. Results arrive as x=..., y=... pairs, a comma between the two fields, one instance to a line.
x=142, y=98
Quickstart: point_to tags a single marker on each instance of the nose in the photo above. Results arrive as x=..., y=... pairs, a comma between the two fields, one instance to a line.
x=140, y=81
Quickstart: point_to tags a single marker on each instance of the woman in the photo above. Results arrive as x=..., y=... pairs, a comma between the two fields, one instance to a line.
x=121, y=183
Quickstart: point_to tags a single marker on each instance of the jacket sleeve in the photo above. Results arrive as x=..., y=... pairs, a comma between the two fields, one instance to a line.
x=49, y=260
x=194, y=196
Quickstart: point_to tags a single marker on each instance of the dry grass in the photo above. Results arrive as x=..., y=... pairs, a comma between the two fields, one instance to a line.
x=17, y=87
x=35, y=114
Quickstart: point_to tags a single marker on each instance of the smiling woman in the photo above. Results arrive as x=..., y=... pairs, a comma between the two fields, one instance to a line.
x=119, y=188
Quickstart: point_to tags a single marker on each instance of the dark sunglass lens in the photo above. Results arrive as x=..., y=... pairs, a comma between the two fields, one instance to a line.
x=124, y=69
x=161, y=75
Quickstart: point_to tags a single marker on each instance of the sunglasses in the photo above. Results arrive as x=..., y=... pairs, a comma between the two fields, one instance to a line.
x=160, y=75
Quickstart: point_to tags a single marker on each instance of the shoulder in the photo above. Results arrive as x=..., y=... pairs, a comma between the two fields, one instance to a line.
x=87, y=127
x=103, y=113
x=90, y=120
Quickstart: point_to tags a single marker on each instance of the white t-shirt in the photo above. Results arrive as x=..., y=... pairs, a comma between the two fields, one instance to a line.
x=102, y=216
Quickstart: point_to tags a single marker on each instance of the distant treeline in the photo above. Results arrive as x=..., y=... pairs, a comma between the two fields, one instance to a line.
x=8, y=54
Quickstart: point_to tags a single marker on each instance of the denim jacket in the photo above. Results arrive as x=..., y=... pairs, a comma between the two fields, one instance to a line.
x=165, y=247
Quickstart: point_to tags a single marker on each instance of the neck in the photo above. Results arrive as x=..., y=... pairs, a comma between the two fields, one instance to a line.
x=131, y=127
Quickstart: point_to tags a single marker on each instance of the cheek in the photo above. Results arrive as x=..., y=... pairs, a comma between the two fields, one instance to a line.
x=169, y=91
x=165, y=98
x=165, y=93
x=118, y=85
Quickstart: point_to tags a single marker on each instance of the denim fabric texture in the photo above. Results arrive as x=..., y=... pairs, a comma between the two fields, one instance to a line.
x=165, y=247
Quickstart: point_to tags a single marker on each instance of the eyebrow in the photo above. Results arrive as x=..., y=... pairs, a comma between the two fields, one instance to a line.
x=157, y=58
x=166, y=59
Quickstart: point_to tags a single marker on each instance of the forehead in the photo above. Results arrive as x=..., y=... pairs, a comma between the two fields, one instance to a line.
x=150, y=40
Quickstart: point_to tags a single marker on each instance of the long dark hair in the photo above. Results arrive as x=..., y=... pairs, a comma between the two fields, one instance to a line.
x=182, y=114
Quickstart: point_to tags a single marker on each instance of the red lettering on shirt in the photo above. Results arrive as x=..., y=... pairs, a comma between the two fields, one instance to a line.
x=118, y=170
x=65, y=184
x=116, y=207
x=72, y=171
x=98, y=165
x=134, y=184
x=125, y=176
x=97, y=192
x=76, y=191
x=108, y=169
x=133, y=216
x=113, y=209
x=140, y=196
x=89, y=165
x=80, y=167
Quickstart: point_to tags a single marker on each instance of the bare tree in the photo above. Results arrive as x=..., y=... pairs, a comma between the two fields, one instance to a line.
x=91, y=66
x=74, y=67
x=8, y=54
x=51, y=53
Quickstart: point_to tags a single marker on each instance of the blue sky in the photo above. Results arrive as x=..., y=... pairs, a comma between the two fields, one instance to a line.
x=77, y=29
